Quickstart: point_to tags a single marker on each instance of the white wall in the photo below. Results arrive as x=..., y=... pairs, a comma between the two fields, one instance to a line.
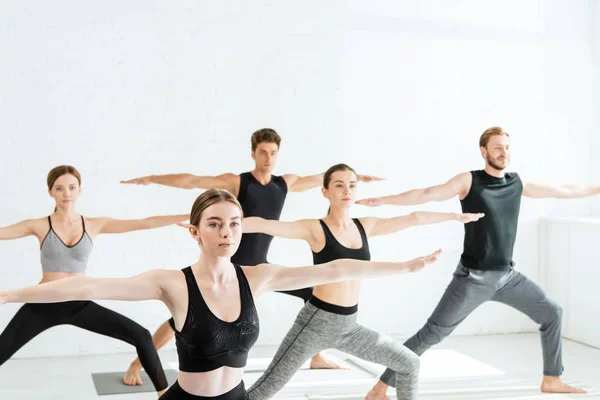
x=397, y=89
x=595, y=50
x=569, y=271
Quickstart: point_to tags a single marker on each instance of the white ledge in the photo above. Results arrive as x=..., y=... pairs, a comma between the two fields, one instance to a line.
x=582, y=220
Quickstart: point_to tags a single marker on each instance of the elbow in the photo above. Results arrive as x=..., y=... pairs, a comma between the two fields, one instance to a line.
x=189, y=182
x=568, y=194
x=423, y=196
x=87, y=293
x=84, y=290
x=147, y=223
x=336, y=273
x=253, y=224
x=416, y=218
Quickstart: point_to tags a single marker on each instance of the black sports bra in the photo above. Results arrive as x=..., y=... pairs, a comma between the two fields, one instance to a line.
x=334, y=250
x=206, y=342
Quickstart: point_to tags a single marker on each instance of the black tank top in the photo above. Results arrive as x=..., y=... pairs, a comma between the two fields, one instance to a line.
x=257, y=200
x=334, y=250
x=489, y=242
x=206, y=342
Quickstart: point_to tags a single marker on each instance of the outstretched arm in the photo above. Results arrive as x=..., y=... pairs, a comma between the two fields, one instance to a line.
x=297, y=183
x=268, y=277
x=228, y=182
x=369, y=178
x=384, y=226
x=145, y=286
x=110, y=225
x=18, y=230
x=457, y=186
x=290, y=230
x=541, y=190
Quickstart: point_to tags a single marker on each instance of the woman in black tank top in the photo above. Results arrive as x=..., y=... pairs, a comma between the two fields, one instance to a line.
x=329, y=318
x=212, y=301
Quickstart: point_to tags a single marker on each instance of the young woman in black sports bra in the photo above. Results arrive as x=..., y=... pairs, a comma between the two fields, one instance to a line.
x=212, y=300
x=328, y=320
x=261, y=194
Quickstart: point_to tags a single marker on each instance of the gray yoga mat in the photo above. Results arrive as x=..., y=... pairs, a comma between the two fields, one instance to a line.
x=112, y=383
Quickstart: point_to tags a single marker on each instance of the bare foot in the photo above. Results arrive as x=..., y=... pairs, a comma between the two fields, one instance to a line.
x=161, y=393
x=373, y=395
x=132, y=376
x=378, y=392
x=319, y=361
x=553, y=384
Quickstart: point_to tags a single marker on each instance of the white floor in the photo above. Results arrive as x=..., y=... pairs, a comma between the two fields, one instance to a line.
x=463, y=367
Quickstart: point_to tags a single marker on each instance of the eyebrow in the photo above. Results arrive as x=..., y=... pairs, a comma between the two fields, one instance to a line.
x=219, y=218
x=343, y=182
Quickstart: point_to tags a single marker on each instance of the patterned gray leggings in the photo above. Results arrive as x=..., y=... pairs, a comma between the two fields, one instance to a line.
x=315, y=330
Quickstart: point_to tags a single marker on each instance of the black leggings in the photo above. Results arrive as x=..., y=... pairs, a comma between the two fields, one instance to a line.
x=33, y=319
x=175, y=392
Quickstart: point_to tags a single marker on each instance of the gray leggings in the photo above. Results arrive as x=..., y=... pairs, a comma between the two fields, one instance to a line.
x=315, y=330
x=469, y=289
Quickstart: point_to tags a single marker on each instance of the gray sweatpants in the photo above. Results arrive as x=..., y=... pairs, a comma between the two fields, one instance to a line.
x=469, y=289
x=315, y=330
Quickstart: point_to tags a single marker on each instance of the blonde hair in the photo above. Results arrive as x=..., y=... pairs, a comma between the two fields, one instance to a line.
x=493, y=131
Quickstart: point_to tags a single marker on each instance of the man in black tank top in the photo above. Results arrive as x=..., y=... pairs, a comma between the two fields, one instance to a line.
x=260, y=193
x=485, y=271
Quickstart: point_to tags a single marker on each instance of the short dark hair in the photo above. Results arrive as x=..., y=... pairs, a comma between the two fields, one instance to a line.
x=265, y=135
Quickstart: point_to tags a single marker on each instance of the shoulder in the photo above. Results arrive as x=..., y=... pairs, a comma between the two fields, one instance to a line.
x=287, y=179
x=469, y=174
x=243, y=178
x=93, y=223
x=513, y=176
x=463, y=182
x=366, y=222
x=171, y=280
x=232, y=182
x=310, y=223
x=257, y=276
x=464, y=179
x=231, y=177
x=38, y=226
x=42, y=221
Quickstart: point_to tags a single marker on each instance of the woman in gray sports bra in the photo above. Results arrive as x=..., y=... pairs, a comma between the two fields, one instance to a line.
x=66, y=242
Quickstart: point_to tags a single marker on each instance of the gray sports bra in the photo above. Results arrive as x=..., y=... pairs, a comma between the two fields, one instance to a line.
x=56, y=256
